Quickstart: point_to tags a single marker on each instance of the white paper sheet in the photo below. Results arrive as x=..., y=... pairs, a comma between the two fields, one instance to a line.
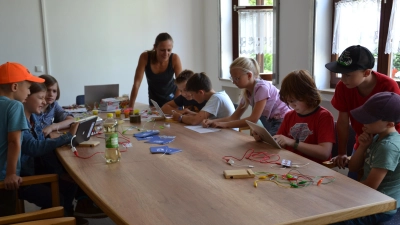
x=202, y=130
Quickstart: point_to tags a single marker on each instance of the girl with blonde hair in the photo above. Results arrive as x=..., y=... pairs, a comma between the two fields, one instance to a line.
x=261, y=95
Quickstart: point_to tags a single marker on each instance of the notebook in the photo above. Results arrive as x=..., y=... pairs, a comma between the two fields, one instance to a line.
x=84, y=130
x=94, y=93
x=263, y=133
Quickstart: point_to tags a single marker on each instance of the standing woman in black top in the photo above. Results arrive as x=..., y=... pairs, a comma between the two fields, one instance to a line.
x=160, y=65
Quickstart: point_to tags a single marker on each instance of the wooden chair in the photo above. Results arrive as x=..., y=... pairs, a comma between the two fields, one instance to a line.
x=54, y=221
x=80, y=100
x=55, y=212
x=38, y=179
x=52, y=215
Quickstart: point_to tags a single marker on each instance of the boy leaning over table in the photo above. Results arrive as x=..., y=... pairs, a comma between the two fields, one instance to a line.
x=218, y=104
x=379, y=151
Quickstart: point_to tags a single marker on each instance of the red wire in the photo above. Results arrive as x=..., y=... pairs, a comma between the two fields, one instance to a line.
x=261, y=157
x=87, y=157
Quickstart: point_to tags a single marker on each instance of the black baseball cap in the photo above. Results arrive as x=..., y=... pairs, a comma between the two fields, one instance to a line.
x=353, y=58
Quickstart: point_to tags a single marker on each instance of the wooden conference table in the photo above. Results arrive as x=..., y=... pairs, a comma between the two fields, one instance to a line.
x=189, y=187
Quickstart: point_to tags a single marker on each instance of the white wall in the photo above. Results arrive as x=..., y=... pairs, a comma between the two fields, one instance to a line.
x=21, y=37
x=99, y=41
x=294, y=36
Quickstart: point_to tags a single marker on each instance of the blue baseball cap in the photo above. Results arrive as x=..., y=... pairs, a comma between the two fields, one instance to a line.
x=383, y=106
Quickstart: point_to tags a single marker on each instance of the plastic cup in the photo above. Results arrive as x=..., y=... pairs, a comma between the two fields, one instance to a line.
x=95, y=112
x=168, y=118
x=118, y=113
x=126, y=112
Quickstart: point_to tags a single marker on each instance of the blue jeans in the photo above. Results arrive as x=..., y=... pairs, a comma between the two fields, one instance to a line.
x=353, y=175
x=272, y=125
x=367, y=220
x=49, y=163
x=40, y=195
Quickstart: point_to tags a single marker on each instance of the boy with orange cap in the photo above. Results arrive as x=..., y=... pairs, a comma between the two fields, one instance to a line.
x=15, y=81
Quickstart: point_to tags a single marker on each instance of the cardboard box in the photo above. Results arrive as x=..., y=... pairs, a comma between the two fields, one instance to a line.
x=111, y=104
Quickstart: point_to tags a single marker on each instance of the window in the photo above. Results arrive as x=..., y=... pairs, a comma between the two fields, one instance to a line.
x=366, y=22
x=254, y=34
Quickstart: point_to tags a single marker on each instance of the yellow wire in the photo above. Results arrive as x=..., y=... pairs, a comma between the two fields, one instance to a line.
x=274, y=181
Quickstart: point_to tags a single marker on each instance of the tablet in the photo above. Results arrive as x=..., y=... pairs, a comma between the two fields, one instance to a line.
x=155, y=104
x=264, y=134
x=85, y=129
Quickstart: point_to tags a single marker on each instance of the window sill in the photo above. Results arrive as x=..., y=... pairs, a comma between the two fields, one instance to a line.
x=327, y=91
x=227, y=83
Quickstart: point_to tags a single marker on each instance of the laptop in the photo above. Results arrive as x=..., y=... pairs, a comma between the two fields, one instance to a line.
x=263, y=133
x=85, y=129
x=94, y=93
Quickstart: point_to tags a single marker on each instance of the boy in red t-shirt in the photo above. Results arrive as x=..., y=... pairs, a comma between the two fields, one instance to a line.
x=357, y=85
x=308, y=130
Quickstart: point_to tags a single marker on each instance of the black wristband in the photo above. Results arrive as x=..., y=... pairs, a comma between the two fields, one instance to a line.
x=296, y=144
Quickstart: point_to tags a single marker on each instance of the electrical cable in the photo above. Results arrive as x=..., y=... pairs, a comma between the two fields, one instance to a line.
x=293, y=179
x=261, y=157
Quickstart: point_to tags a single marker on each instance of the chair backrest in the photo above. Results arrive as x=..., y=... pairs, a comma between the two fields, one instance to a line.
x=39, y=179
x=80, y=100
x=350, y=142
x=54, y=221
x=54, y=212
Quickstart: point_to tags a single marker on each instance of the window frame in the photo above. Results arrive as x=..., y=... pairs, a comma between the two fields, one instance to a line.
x=259, y=57
x=383, y=62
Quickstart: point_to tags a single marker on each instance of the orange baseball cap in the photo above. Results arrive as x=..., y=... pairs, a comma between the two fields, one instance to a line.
x=11, y=72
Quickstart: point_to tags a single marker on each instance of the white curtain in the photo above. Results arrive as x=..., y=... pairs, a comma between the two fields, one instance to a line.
x=356, y=23
x=255, y=32
x=393, y=39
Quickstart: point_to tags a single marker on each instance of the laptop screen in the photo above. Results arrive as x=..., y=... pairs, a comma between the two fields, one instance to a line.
x=94, y=93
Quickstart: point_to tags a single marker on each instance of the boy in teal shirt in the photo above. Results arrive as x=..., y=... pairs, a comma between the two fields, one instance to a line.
x=379, y=150
x=15, y=81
